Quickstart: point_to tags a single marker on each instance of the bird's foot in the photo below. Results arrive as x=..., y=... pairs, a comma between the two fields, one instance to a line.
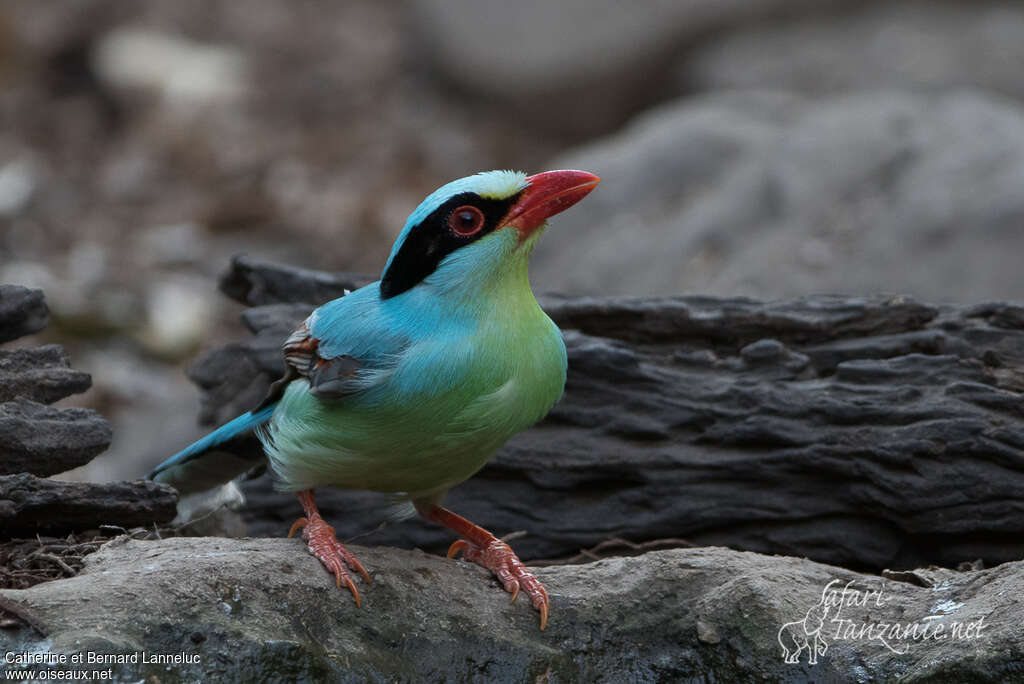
x=322, y=543
x=500, y=559
x=482, y=547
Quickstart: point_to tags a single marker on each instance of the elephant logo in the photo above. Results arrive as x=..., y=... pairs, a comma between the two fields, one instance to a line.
x=796, y=636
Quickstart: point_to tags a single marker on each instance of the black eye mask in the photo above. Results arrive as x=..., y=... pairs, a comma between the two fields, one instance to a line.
x=433, y=239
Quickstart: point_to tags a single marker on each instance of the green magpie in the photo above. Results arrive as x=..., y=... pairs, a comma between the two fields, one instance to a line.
x=409, y=385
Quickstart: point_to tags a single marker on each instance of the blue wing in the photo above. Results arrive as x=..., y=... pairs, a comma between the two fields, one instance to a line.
x=346, y=346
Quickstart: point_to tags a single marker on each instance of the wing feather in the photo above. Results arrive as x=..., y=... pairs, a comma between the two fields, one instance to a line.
x=339, y=348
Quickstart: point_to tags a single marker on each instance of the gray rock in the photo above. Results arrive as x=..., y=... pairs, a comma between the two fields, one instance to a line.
x=578, y=65
x=22, y=312
x=30, y=505
x=43, y=374
x=921, y=45
x=828, y=427
x=182, y=71
x=45, y=441
x=264, y=610
x=774, y=195
x=18, y=181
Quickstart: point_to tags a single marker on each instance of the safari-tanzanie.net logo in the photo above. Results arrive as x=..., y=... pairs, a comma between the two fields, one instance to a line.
x=846, y=613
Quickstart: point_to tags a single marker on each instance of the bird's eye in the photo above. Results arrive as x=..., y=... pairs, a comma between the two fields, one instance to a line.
x=466, y=220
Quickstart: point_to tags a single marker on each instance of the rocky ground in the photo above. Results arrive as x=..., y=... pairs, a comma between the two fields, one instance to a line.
x=257, y=609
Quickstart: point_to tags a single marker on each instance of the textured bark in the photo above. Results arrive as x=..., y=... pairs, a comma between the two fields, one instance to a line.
x=866, y=432
x=255, y=283
x=39, y=440
x=45, y=441
x=43, y=374
x=29, y=505
x=264, y=609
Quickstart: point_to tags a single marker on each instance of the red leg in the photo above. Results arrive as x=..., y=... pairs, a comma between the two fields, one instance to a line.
x=324, y=545
x=482, y=547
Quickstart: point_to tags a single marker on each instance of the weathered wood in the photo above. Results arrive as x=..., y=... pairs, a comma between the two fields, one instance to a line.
x=256, y=282
x=22, y=312
x=868, y=432
x=45, y=441
x=35, y=438
x=30, y=505
x=42, y=374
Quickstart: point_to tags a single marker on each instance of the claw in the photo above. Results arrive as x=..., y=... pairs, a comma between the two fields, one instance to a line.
x=353, y=563
x=360, y=569
x=355, y=592
x=483, y=548
x=459, y=545
x=296, y=526
x=322, y=543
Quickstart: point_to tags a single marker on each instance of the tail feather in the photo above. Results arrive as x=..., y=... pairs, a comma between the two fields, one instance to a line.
x=212, y=460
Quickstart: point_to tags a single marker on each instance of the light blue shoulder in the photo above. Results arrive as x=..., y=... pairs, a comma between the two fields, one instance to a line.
x=356, y=325
x=411, y=340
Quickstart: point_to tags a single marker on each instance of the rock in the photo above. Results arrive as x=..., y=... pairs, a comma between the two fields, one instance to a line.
x=45, y=441
x=256, y=609
x=178, y=69
x=171, y=245
x=30, y=505
x=178, y=313
x=774, y=195
x=43, y=374
x=22, y=312
x=828, y=427
x=18, y=181
x=579, y=66
x=920, y=45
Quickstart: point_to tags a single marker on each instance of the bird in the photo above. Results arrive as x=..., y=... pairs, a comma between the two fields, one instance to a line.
x=410, y=384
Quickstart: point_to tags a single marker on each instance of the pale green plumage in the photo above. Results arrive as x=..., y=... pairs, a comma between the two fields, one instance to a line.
x=482, y=362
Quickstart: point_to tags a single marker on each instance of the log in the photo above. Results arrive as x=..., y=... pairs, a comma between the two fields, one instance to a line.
x=255, y=282
x=30, y=505
x=46, y=441
x=42, y=374
x=867, y=432
x=264, y=609
x=35, y=438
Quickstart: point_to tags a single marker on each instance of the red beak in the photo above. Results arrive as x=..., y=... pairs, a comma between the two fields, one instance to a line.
x=548, y=193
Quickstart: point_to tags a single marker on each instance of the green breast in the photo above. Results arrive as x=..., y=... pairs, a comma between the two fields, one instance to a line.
x=492, y=383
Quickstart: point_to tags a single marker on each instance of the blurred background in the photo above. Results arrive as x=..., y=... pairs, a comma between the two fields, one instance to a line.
x=769, y=148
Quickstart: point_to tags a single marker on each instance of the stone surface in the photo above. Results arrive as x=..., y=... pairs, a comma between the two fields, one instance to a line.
x=868, y=432
x=22, y=312
x=43, y=374
x=922, y=45
x=579, y=65
x=264, y=609
x=775, y=195
x=29, y=505
x=45, y=441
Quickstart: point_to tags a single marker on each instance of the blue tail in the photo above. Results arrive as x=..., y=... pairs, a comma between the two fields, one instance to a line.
x=216, y=458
